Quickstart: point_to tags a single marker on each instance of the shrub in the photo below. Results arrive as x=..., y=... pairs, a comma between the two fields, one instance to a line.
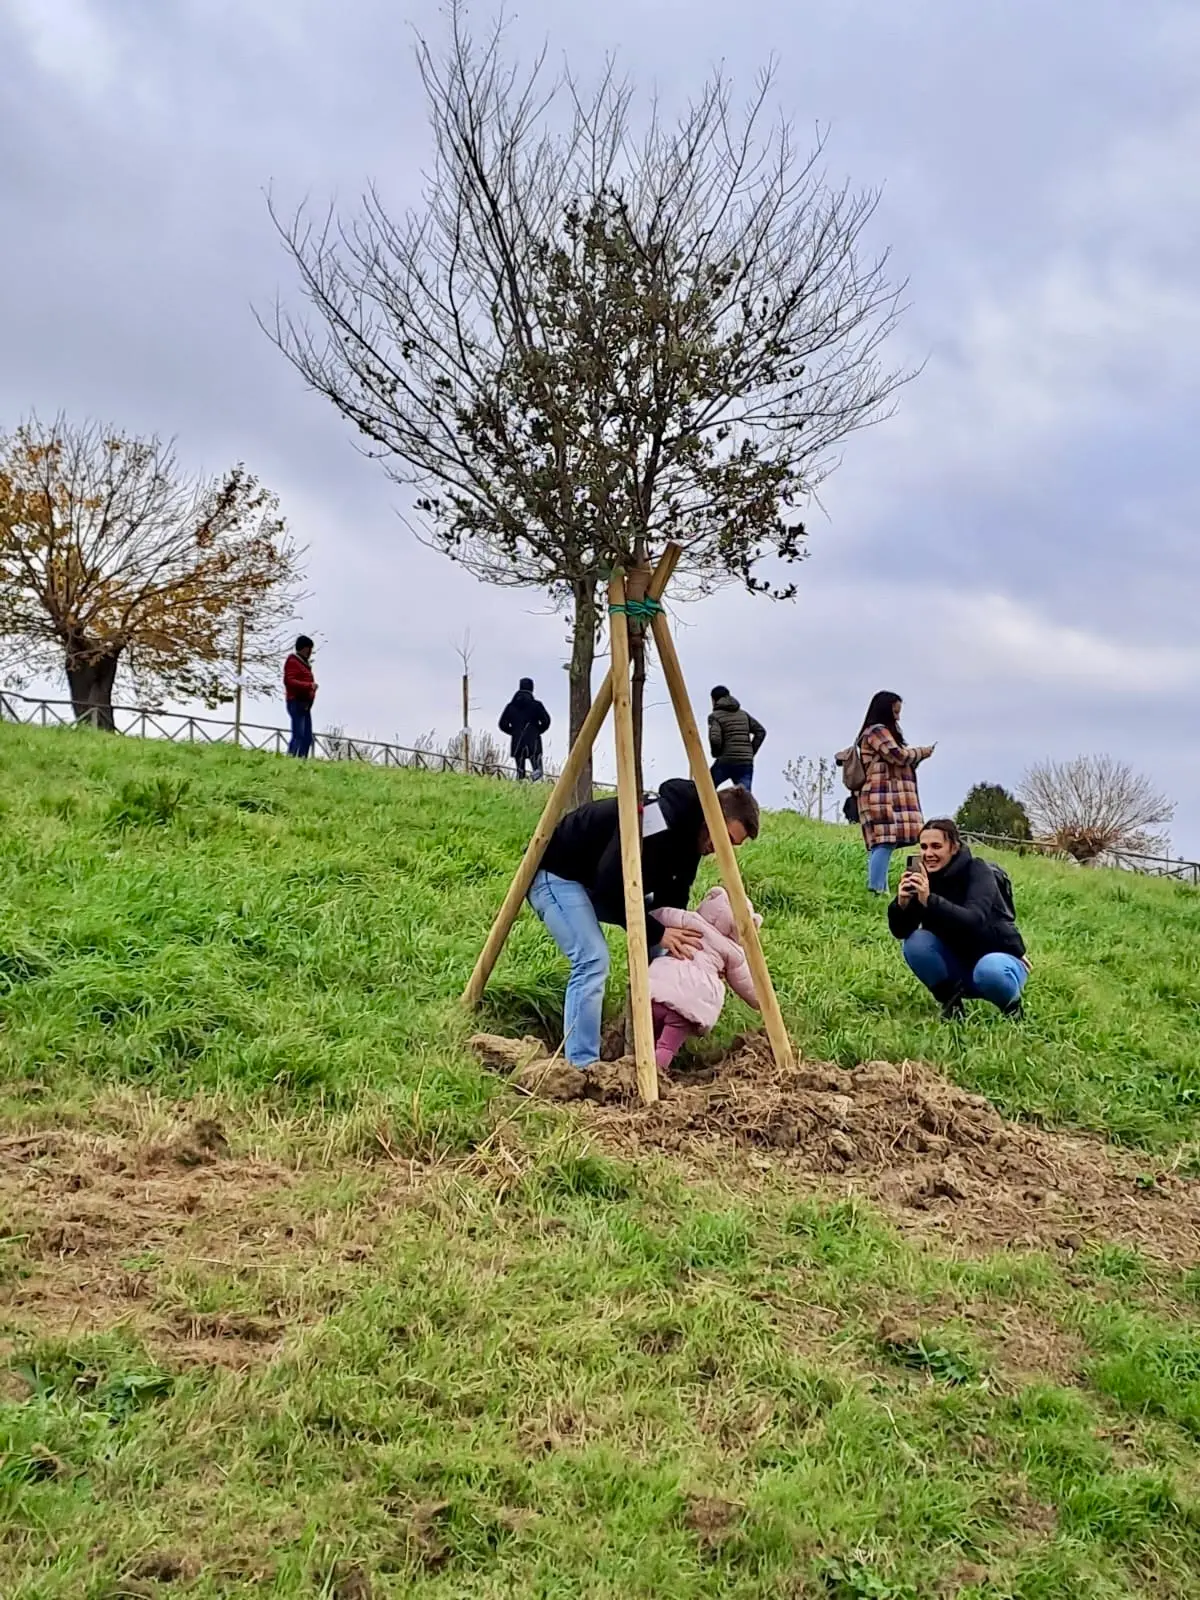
x=990, y=809
x=141, y=805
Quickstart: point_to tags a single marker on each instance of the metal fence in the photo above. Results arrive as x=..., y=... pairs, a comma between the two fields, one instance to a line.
x=1125, y=860
x=181, y=727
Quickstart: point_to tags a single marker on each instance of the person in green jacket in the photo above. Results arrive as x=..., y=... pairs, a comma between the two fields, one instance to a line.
x=734, y=738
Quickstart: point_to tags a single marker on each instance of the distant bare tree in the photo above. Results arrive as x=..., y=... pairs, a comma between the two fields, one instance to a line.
x=595, y=337
x=1094, y=805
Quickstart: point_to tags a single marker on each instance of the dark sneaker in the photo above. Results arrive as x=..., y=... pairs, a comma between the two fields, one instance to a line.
x=949, y=996
x=1016, y=1010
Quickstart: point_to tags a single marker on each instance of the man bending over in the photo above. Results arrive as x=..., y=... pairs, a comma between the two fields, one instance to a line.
x=581, y=885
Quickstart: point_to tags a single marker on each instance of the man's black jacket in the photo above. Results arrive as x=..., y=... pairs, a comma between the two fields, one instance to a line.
x=966, y=911
x=586, y=848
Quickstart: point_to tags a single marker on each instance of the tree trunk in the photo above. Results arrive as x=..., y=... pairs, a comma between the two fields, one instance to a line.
x=91, y=682
x=635, y=589
x=583, y=653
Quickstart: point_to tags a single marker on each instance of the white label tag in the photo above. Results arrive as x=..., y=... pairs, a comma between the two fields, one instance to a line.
x=653, y=820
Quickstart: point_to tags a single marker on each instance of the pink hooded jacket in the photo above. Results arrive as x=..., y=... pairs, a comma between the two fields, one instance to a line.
x=696, y=988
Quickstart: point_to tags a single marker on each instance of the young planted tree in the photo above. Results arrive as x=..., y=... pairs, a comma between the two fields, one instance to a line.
x=111, y=557
x=810, y=780
x=1093, y=806
x=990, y=809
x=599, y=332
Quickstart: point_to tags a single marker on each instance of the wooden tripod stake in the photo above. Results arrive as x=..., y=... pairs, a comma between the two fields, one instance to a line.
x=629, y=806
x=558, y=803
x=628, y=799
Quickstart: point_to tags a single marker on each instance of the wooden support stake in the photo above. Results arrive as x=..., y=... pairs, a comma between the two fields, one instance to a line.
x=557, y=805
x=628, y=805
x=781, y=1045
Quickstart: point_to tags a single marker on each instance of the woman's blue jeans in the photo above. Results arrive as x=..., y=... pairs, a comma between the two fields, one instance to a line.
x=571, y=921
x=879, y=858
x=996, y=977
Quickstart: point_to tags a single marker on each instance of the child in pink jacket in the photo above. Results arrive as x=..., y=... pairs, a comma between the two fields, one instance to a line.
x=686, y=996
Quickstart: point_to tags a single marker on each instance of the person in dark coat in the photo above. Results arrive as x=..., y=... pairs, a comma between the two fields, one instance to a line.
x=734, y=738
x=960, y=934
x=300, y=690
x=581, y=884
x=525, y=720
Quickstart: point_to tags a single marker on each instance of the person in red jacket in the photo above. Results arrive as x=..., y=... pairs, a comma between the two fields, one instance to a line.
x=300, y=689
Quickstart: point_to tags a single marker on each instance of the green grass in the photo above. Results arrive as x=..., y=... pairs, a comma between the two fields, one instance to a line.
x=507, y=1364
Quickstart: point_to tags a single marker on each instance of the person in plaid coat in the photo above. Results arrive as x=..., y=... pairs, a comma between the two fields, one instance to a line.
x=889, y=806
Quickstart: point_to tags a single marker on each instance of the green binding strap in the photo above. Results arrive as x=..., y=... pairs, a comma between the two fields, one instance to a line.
x=641, y=610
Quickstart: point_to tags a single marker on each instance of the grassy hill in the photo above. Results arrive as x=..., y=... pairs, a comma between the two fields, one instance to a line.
x=299, y=1300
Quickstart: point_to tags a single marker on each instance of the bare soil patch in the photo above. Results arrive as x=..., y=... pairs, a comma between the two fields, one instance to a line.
x=940, y=1161
x=96, y=1223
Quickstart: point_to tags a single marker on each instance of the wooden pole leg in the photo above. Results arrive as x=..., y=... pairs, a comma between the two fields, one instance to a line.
x=781, y=1045
x=628, y=805
x=557, y=805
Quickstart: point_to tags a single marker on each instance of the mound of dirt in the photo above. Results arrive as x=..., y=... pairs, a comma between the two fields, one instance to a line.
x=938, y=1159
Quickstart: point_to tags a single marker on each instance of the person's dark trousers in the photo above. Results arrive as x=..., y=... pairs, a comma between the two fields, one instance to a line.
x=736, y=772
x=535, y=762
x=302, y=732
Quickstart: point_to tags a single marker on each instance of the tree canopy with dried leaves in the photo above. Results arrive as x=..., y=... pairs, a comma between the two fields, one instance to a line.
x=111, y=557
x=1095, y=806
x=596, y=336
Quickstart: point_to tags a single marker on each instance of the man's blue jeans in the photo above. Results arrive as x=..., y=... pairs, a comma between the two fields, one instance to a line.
x=736, y=771
x=571, y=921
x=302, y=734
x=998, y=978
x=879, y=858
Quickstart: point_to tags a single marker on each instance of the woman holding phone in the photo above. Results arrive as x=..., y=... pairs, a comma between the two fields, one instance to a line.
x=889, y=806
x=955, y=917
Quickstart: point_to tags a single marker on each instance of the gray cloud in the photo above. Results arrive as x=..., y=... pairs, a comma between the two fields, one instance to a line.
x=1012, y=552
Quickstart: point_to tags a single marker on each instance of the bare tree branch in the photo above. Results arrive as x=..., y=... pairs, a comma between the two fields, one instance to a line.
x=1094, y=805
x=596, y=336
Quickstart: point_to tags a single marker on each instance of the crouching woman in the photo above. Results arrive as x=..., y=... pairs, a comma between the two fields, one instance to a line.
x=955, y=916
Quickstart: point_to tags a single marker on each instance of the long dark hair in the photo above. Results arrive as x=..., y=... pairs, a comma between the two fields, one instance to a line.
x=883, y=710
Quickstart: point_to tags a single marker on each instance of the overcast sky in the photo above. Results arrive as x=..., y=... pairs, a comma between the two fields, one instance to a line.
x=1013, y=552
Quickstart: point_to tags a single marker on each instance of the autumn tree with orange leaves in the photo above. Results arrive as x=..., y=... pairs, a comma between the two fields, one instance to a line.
x=111, y=556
